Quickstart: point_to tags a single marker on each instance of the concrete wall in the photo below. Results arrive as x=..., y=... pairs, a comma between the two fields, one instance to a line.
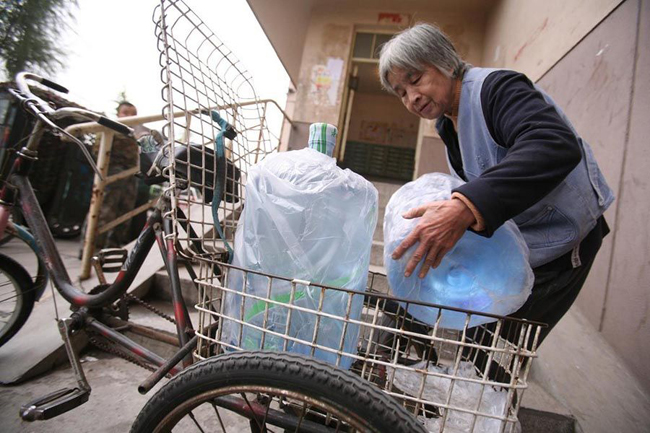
x=435, y=160
x=592, y=56
x=531, y=36
x=602, y=85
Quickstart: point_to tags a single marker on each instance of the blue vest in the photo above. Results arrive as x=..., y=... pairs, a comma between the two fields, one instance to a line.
x=558, y=222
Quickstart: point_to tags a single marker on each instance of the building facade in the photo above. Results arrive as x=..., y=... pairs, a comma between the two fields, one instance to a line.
x=588, y=54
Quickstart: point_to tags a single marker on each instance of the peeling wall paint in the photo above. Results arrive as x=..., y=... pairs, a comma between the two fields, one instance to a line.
x=330, y=36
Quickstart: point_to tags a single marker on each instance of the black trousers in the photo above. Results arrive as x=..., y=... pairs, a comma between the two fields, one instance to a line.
x=552, y=295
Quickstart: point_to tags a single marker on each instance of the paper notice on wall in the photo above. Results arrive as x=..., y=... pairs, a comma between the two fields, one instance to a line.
x=325, y=81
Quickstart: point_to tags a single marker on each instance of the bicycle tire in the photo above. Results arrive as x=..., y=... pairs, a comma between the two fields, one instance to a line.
x=344, y=396
x=16, y=297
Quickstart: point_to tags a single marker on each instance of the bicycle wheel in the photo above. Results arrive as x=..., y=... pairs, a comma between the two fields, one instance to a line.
x=271, y=392
x=16, y=298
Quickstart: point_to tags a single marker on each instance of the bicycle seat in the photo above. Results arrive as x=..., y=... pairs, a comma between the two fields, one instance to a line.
x=202, y=163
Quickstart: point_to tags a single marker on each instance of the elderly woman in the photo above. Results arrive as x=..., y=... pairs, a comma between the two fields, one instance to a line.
x=521, y=158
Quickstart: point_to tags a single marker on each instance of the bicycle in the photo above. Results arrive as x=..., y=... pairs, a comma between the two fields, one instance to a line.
x=406, y=375
x=93, y=311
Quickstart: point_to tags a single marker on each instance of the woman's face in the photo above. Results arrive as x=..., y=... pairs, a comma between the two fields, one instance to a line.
x=427, y=94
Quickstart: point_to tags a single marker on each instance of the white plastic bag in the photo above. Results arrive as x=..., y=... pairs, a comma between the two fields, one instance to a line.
x=304, y=218
x=464, y=395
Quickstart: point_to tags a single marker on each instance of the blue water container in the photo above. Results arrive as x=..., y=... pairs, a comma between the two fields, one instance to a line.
x=488, y=275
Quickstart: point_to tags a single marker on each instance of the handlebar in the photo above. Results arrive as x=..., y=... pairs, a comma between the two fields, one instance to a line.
x=46, y=113
x=31, y=99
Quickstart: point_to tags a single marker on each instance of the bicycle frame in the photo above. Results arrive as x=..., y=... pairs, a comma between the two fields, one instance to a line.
x=16, y=189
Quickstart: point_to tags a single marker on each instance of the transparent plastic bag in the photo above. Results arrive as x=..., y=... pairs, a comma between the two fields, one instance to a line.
x=489, y=275
x=304, y=218
x=464, y=395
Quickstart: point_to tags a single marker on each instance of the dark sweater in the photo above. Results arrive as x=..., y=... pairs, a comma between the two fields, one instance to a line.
x=542, y=151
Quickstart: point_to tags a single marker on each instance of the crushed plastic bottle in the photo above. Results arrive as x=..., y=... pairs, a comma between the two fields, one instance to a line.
x=304, y=219
x=488, y=275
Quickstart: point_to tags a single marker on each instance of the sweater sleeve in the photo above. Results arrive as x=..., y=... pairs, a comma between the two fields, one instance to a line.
x=541, y=150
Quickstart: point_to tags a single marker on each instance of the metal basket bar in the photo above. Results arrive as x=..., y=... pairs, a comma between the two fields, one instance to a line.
x=200, y=74
x=381, y=296
x=430, y=338
x=422, y=365
x=460, y=344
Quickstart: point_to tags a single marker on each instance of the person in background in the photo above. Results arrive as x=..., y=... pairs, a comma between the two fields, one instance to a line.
x=521, y=158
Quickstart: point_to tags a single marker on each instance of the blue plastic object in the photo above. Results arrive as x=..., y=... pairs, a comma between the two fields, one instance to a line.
x=489, y=275
x=220, y=153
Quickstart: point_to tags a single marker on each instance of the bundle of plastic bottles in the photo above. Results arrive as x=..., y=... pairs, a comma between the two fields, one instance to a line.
x=488, y=275
x=307, y=219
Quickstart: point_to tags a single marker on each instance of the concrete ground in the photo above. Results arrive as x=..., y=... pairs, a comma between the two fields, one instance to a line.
x=113, y=406
x=577, y=374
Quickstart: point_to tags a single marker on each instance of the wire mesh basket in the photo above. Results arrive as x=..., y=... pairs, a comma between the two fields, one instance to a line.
x=469, y=379
x=204, y=85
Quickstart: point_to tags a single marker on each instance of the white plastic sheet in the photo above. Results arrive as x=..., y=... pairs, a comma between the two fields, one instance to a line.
x=464, y=395
x=304, y=218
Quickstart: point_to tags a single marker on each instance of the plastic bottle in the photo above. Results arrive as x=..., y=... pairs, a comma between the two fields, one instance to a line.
x=306, y=219
x=489, y=275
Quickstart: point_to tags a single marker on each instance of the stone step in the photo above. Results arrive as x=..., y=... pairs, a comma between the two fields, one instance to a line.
x=539, y=421
x=161, y=286
x=386, y=190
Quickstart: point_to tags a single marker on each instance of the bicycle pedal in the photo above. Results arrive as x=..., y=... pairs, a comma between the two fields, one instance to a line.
x=54, y=404
x=111, y=259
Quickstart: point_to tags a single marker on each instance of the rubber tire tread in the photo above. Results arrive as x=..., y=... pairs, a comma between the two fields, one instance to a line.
x=25, y=285
x=285, y=371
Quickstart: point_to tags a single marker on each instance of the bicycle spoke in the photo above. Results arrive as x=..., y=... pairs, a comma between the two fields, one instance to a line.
x=223, y=427
x=268, y=407
x=302, y=416
x=254, y=418
x=191, y=415
x=9, y=298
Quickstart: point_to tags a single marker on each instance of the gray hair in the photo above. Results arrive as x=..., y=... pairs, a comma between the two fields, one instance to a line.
x=419, y=46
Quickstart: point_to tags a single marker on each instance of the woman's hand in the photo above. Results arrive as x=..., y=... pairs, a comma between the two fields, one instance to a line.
x=441, y=225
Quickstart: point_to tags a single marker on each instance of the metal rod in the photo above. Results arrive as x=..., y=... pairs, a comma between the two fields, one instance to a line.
x=127, y=343
x=154, y=378
x=126, y=216
x=94, y=127
x=122, y=175
x=180, y=309
x=252, y=410
x=145, y=331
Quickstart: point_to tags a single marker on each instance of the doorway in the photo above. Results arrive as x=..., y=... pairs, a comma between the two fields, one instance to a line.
x=379, y=136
